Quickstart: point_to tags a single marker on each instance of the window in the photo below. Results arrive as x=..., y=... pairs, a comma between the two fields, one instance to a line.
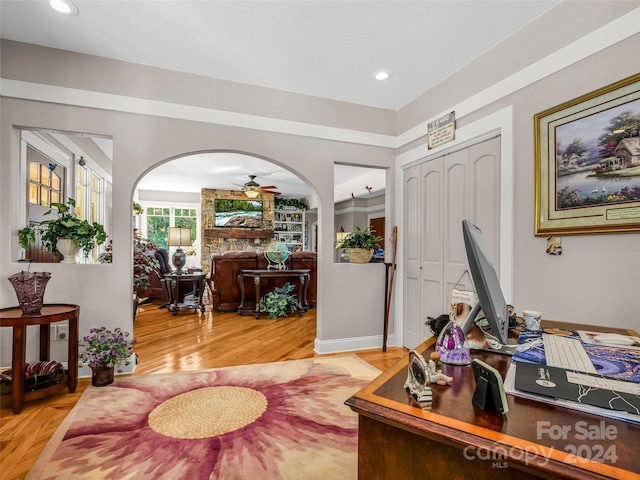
x=45, y=185
x=158, y=221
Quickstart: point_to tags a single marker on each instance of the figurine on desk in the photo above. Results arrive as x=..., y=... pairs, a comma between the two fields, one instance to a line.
x=435, y=374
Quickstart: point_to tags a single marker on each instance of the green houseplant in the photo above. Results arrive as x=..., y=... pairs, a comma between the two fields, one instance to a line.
x=84, y=235
x=359, y=244
x=279, y=302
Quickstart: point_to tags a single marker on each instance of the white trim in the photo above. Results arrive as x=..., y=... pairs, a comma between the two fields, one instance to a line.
x=122, y=103
x=352, y=344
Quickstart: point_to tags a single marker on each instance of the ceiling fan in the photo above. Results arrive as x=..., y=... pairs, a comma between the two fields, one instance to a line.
x=252, y=188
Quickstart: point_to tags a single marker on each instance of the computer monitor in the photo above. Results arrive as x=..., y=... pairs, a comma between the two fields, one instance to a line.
x=485, y=280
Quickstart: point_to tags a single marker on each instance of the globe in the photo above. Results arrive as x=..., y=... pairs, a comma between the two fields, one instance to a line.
x=276, y=254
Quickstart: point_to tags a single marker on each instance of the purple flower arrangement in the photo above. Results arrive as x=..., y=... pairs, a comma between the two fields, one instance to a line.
x=104, y=348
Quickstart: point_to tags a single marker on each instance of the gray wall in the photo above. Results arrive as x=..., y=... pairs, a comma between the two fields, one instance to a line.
x=145, y=134
x=595, y=280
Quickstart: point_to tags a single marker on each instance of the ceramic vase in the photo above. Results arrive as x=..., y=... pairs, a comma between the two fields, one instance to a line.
x=68, y=249
x=101, y=376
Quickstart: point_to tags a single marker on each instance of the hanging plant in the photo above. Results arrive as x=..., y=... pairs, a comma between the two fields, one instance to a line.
x=293, y=203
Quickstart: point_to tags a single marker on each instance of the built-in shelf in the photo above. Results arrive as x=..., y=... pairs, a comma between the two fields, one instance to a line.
x=289, y=228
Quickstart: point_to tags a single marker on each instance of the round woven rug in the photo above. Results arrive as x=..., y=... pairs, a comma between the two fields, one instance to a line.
x=208, y=412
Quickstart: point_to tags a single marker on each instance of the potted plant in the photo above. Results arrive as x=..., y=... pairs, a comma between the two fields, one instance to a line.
x=103, y=350
x=144, y=262
x=359, y=244
x=279, y=302
x=66, y=234
x=26, y=237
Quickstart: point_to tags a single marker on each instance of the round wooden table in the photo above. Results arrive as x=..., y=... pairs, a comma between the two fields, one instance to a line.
x=51, y=313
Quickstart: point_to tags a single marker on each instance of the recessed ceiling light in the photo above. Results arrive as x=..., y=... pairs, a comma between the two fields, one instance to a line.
x=382, y=75
x=64, y=6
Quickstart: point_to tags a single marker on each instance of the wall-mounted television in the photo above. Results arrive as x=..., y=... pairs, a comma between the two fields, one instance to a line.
x=234, y=213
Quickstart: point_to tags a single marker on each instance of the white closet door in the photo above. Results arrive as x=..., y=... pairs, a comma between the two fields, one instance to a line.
x=438, y=195
x=432, y=242
x=412, y=329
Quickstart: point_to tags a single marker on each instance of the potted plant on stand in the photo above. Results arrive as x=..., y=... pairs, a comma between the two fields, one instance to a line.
x=144, y=262
x=359, y=244
x=66, y=234
x=103, y=350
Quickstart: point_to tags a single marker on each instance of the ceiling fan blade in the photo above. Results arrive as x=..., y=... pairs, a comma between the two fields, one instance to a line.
x=268, y=186
x=271, y=191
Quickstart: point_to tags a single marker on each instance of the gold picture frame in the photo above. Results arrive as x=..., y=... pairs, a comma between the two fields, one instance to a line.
x=587, y=163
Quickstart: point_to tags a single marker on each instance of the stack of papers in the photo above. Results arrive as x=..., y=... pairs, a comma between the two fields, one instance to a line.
x=612, y=391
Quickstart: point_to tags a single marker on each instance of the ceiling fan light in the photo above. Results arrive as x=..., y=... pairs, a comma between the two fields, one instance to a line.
x=252, y=192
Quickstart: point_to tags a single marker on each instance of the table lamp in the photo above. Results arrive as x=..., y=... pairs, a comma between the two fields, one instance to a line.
x=178, y=237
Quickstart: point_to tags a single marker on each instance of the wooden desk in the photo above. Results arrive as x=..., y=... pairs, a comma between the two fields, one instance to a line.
x=455, y=439
x=196, y=279
x=303, y=276
x=18, y=321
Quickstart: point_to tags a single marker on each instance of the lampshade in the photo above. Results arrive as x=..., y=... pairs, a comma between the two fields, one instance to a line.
x=179, y=237
x=341, y=236
x=252, y=192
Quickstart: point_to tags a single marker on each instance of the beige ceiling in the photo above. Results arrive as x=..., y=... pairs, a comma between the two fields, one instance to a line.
x=324, y=48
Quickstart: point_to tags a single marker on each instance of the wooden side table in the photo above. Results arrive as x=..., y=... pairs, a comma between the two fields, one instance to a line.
x=51, y=313
x=303, y=275
x=196, y=279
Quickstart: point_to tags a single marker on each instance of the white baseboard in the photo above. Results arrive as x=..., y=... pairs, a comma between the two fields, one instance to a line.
x=84, y=371
x=351, y=344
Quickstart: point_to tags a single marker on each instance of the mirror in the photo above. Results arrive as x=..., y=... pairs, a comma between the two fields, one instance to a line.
x=56, y=166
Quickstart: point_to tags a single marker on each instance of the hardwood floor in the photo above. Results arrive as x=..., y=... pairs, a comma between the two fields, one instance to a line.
x=188, y=341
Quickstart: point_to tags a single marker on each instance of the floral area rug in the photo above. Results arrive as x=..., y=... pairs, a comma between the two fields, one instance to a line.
x=284, y=420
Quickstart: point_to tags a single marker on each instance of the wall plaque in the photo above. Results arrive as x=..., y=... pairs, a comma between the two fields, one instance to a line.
x=442, y=130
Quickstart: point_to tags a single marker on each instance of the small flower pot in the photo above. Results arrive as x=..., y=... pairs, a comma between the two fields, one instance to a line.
x=101, y=376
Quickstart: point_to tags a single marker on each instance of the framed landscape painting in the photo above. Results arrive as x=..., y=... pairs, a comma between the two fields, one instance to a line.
x=587, y=163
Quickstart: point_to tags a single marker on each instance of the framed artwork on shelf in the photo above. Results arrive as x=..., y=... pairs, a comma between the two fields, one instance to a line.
x=587, y=163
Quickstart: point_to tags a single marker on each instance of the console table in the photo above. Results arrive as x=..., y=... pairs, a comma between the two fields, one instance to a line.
x=18, y=321
x=302, y=275
x=196, y=279
x=455, y=439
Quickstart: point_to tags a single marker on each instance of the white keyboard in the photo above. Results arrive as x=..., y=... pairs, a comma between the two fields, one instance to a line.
x=567, y=353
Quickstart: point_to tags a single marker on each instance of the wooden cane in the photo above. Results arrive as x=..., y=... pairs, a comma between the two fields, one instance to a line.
x=393, y=271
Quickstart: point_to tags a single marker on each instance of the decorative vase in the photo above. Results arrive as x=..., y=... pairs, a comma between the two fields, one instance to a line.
x=29, y=289
x=101, y=376
x=452, y=345
x=359, y=255
x=68, y=248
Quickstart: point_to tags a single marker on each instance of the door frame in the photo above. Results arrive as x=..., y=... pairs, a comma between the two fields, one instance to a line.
x=497, y=123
